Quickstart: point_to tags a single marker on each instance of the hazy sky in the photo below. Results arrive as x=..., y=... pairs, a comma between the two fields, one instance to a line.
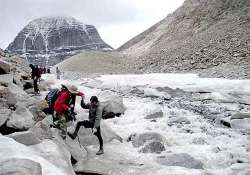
x=116, y=20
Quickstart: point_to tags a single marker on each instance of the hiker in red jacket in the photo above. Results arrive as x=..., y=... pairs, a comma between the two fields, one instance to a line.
x=63, y=108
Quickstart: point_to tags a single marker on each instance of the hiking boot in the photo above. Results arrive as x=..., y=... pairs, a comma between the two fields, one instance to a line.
x=72, y=136
x=100, y=152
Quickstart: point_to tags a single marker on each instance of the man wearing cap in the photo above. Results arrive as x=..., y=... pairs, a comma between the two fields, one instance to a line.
x=62, y=106
x=95, y=115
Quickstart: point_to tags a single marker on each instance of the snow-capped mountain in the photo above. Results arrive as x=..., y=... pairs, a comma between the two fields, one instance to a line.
x=49, y=40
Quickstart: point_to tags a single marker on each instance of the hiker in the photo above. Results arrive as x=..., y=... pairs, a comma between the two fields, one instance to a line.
x=95, y=115
x=58, y=73
x=50, y=99
x=35, y=77
x=62, y=107
x=39, y=73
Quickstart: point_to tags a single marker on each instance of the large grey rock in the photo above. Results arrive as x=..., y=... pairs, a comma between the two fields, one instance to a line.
x=42, y=130
x=178, y=120
x=20, y=166
x=155, y=115
x=21, y=119
x=242, y=124
x=4, y=67
x=9, y=96
x=27, y=138
x=153, y=147
x=182, y=159
x=77, y=151
x=55, y=38
x=57, y=154
x=112, y=103
x=4, y=115
x=240, y=116
x=142, y=139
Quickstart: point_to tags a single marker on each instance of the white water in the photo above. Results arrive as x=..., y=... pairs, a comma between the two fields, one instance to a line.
x=230, y=142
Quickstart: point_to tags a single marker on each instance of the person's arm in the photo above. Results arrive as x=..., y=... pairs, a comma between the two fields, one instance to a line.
x=98, y=116
x=80, y=94
x=84, y=105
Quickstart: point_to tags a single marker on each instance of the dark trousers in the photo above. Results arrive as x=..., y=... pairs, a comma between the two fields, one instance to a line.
x=35, y=85
x=88, y=124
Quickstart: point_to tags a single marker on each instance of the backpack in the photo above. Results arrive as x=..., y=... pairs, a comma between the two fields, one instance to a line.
x=52, y=96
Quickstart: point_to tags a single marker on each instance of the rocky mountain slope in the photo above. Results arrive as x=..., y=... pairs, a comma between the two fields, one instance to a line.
x=50, y=40
x=89, y=63
x=210, y=37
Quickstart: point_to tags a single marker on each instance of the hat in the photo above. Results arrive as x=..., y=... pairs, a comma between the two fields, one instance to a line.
x=72, y=89
x=94, y=99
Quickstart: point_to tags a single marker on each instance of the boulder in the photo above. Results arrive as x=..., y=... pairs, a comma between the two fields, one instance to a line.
x=28, y=84
x=8, y=96
x=27, y=138
x=155, y=115
x=242, y=124
x=4, y=115
x=112, y=103
x=20, y=166
x=240, y=116
x=42, y=130
x=4, y=67
x=6, y=79
x=55, y=153
x=178, y=120
x=11, y=149
x=182, y=160
x=21, y=118
x=148, y=137
x=153, y=147
x=76, y=150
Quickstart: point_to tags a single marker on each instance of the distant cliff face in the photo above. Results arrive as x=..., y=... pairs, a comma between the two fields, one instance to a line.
x=50, y=40
x=203, y=36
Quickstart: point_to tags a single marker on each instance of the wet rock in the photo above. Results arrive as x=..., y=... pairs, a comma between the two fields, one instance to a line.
x=178, y=120
x=153, y=147
x=20, y=166
x=155, y=115
x=174, y=92
x=21, y=118
x=27, y=138
x=182, y=160
x=142, y=139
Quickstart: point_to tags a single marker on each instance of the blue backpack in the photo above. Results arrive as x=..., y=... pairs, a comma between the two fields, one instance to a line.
x=52, y=96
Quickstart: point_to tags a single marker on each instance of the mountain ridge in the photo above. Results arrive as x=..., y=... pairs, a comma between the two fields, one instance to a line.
x=55, y=38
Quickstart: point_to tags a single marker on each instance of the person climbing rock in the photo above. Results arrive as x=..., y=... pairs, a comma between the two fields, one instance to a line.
x=95, y=115
x=62, y=107
x=35, y=77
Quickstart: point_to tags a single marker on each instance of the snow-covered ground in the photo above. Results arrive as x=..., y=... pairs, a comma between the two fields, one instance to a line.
x=221, y=150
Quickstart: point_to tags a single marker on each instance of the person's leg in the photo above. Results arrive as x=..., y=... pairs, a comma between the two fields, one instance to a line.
x=78, y=126
x=99, y=136
x=63, y=125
